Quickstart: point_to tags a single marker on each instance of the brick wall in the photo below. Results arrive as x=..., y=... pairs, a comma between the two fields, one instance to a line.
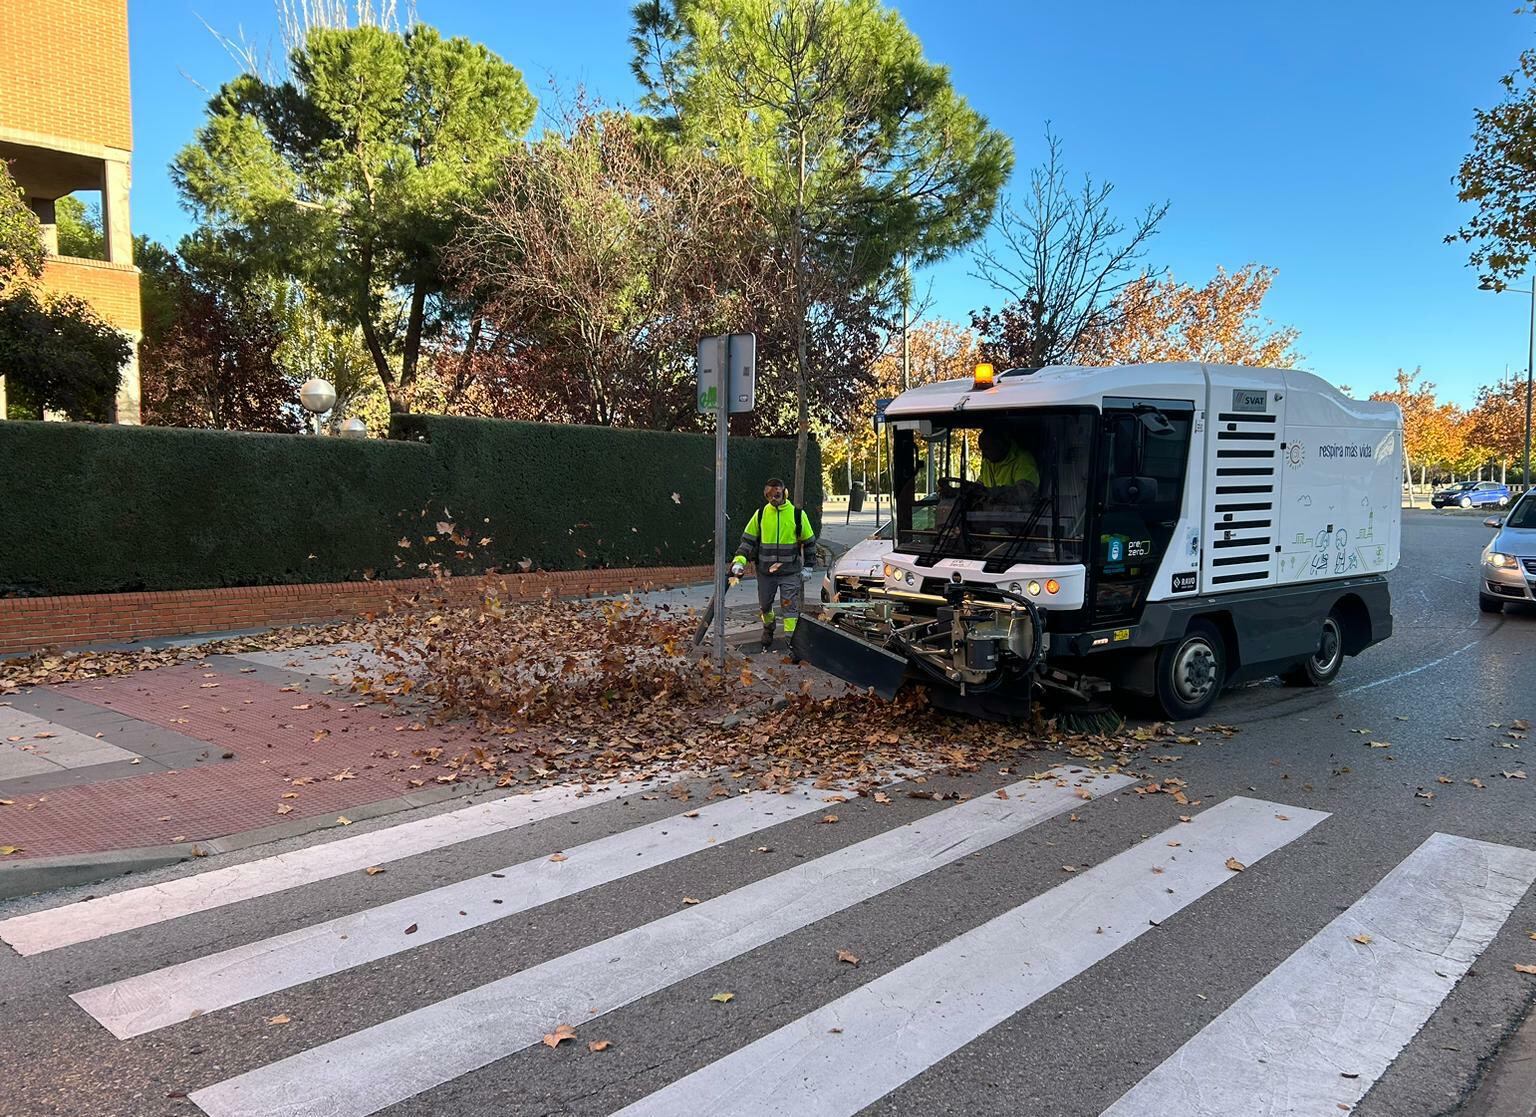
x=30, y=623
x=111, y=289
x=64, y=70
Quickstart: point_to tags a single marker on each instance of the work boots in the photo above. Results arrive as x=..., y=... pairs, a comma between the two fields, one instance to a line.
x=767, y=636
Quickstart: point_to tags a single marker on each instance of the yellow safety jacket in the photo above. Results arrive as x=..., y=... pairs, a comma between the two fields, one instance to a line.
x=776, y=535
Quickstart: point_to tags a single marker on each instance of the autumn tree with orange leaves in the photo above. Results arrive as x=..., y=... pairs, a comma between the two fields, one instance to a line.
x=1161, y=319
x=938, y=350
x=1434, y=433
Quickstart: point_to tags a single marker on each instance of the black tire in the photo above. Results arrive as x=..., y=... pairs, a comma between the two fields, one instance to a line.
x=1465, y=502
x=1503, y=502
x=1191, y=672
x=1322, y=667
x=1487, y=603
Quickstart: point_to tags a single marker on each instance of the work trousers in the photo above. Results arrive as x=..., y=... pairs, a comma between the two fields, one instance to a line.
x=789, y=588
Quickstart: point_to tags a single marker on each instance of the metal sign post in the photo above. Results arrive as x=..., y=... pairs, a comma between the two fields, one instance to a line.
x=727, y=386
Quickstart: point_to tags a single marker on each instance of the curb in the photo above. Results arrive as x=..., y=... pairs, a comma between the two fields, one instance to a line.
x=43, y=874
x=1508, y=1086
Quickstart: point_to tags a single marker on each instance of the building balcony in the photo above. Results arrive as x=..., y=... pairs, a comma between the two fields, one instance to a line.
x=112, y=290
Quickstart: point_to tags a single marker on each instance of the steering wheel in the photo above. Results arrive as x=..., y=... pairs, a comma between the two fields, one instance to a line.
x=949, y=488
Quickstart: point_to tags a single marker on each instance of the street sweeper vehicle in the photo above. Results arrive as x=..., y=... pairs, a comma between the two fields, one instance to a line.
x=1070, y=534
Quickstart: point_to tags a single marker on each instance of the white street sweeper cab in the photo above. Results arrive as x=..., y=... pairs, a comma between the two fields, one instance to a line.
x=1162, y=530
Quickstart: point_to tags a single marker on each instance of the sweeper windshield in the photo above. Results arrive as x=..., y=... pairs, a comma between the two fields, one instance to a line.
x=1006, y=487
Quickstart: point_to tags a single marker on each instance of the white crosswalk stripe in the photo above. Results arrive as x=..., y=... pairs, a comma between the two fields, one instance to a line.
x=905, y=1021
x=96, y=918
x=1315, y=1034
x=1311, y=1036
x=137, y=1005
x=363, y=1072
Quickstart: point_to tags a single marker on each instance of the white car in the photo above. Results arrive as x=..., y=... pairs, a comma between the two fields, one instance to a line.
x=860, y=567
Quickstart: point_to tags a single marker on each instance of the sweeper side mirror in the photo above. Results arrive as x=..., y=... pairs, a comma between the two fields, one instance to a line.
x=1130, y=491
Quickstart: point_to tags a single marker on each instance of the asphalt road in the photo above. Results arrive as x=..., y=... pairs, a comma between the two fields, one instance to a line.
x=1113, y=967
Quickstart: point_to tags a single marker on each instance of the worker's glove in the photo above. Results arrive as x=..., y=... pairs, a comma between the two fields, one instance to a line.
x=737, y=570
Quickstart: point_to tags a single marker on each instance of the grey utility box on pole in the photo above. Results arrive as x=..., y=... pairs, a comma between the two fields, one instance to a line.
x=731, y=360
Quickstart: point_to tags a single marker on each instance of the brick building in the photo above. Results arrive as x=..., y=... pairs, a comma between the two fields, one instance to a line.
x=66, y=126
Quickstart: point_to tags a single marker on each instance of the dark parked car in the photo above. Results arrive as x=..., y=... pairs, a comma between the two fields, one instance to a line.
x=1472, y=494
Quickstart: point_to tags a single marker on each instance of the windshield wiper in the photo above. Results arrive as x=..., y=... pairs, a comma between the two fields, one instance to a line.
x=1006, y=559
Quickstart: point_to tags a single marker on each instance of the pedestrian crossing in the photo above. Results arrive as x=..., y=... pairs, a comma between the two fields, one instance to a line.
x=1311, y=1035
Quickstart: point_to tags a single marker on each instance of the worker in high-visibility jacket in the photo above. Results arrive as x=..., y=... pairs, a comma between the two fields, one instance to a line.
x=1004, y=462
x=779, y=539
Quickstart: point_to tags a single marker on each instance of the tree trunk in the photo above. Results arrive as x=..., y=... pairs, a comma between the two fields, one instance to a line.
x=802, y=380
x=398, y=405
x=413, y=324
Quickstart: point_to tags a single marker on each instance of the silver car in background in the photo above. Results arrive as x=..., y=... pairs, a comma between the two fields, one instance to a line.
x=1509, y=560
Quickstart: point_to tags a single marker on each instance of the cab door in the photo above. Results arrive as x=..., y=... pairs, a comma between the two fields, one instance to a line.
x=1143, y=461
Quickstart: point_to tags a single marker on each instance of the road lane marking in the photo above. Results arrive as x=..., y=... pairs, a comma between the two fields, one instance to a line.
x=1411, y=671
x=159, y=998
x=366, y=1071
x=1316, y=1033
x=155, y=903
x=837, y=1060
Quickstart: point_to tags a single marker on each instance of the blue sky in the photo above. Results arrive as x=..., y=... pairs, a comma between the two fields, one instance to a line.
x=1319, y=138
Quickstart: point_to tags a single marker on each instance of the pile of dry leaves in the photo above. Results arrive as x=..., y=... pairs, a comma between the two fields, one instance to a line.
x=563, y=690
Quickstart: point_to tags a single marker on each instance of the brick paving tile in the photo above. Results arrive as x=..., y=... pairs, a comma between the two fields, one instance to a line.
x=273, y=744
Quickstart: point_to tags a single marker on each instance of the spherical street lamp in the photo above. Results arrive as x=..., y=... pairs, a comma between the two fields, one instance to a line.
x=317, y=397
x=354, y=428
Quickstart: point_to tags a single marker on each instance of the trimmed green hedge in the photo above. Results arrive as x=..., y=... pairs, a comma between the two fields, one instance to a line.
x=86, y=508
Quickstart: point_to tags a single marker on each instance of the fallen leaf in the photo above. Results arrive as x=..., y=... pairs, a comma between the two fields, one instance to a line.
x=374, y=870
x=1524, y=969
x=689, y=900
x=1422, y=794
x=1444, y=779
x=1363, y=940
x=1475, y=782
x=676, y=499
x=845, y=956
x=411, y=930
x=1379, y=744
x=599, y=1045
x=1001, y=793
x=305, y=706
x=284, y=808
x=1082, y=793
x=6, y=802
x=343, y=820
x=280, y=1018
x=724, y=998
x=1518, y=774
x=1069, y=868
x=882, y=797
x=1235, y=865
x=559, y=857
x=561, y=1033
x=6, y=851
x=1283, y=817
x=690, y=814
x=829, y=818
x=207, y=686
